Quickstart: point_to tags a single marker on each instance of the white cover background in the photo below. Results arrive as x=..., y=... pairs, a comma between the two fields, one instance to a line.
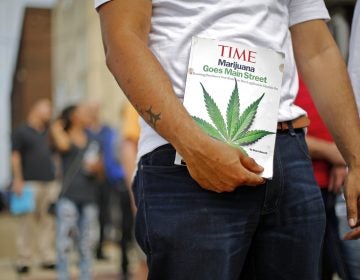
x=207, y=52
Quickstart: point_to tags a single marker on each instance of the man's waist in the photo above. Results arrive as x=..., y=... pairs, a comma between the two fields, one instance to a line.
x=298, y=123
x=150, y=140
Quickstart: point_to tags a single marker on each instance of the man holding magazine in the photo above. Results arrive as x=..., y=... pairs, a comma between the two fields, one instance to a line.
x=217, y=218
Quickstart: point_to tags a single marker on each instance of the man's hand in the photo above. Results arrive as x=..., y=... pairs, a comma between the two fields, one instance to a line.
x=337, y=178
x=222, y=168
x=18, y=181
x=59, y=136
x=352, y=194
x=18, y=186
x=58, y=125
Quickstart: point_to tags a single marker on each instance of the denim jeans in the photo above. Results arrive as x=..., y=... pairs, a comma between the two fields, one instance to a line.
x=332, y=260
x=273, y=231
x=75, y=223
x=351, y=248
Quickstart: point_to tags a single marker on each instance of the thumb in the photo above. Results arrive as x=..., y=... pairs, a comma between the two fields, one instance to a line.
x=250, y=164
x=352, y=209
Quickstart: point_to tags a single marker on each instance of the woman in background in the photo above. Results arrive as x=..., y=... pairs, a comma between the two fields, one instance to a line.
x=76, y=208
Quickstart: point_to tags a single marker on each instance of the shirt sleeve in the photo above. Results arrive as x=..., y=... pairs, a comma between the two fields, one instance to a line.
x=305, y=10
x=98, y=3
x=17, y=141
x=354, y=53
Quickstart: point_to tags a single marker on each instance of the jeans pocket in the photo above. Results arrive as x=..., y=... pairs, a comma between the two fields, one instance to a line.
x=300, y=139
x=141, y=219
x=161, y=189
x=161, y=161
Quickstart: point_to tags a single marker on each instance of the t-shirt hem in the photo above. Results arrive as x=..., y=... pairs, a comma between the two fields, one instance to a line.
x=320, y=14
x=98, y=3
x=151, y=145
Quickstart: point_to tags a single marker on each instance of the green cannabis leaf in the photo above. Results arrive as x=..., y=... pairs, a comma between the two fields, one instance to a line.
x=209, y=128
x=233, y=111
x=214, y=113
x=250, y=137
x=236, y=131
x=247, y=118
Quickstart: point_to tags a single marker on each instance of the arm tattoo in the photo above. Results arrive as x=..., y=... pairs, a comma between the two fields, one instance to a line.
x=152, y=117
x=139, y=110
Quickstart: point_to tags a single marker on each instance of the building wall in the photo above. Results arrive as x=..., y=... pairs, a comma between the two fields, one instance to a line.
x=11, y=14
x=11, y=22
x=32, y=76
x=79, y=70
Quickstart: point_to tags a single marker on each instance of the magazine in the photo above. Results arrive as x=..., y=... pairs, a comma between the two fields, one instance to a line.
x=233, y=93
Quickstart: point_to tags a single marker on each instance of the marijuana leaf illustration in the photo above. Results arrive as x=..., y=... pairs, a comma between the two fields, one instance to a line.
x=236, y=130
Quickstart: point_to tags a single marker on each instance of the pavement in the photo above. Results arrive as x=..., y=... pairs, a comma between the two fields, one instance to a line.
x=103, y=270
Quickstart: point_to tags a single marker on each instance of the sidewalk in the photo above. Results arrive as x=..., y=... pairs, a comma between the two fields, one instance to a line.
x=104, y=270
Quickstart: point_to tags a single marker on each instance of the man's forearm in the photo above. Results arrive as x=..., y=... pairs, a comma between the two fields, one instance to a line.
x=320, y=149
x=333, y=96
x=324, y=73
x=16, y=166
x=149, y=89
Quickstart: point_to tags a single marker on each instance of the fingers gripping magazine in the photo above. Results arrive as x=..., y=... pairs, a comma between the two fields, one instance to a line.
x=233, y=93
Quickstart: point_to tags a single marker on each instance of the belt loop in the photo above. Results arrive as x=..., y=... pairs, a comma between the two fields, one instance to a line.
x=281, y=126
x=291, y=128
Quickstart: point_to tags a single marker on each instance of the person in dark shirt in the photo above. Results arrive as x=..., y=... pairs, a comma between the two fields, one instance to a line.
x=330, y=174
x=97, y=131
x=32, y=166
x=76, y=209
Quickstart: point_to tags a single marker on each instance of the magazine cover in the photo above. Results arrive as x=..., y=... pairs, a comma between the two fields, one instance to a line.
x=233, y=93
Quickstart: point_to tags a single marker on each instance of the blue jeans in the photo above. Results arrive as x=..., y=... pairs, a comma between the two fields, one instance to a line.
x=273, y=231
x=350, y=248
x=332, y=260
x=75, y=223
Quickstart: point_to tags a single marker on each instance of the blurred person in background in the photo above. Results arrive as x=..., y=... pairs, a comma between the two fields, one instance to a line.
x=122, y=220
x=76, y=209
x=112, y=187
x=130, y=135
x=352, y=247
x=330, y=173
x=32, y=165
x=97, y=131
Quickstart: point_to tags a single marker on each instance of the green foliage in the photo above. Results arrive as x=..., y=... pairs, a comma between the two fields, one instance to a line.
x=236, y=131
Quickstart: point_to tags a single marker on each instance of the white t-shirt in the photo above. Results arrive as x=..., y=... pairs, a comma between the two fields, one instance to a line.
x=261, y=23
x=354, y=54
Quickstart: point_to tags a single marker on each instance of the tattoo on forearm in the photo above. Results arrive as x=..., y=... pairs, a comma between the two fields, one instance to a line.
x=153, y=118
x=148, y=115
x=139, y=110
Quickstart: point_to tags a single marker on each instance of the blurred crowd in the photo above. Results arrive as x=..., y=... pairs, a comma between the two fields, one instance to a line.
x=72, y=175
